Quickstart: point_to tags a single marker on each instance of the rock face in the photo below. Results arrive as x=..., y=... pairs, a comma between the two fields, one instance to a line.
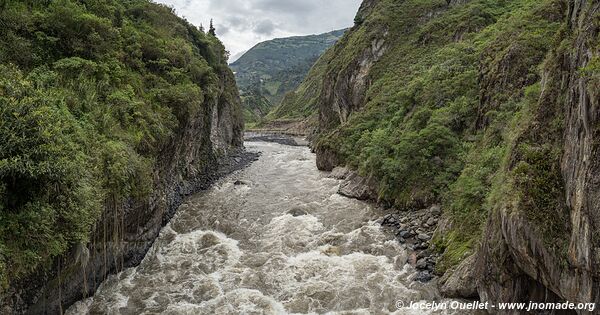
x=545, y=252
x=327, y=160
x=353, y=185
x=515, y=259
x=358, y=187
x=205, y=147
x=345, y=85
x=460, y=282
x=345, y=90
x=581, y=160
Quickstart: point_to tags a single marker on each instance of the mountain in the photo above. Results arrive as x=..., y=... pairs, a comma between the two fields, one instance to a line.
x=270, y=69
x=487, y=108
x=110, y=113
x=237, y=56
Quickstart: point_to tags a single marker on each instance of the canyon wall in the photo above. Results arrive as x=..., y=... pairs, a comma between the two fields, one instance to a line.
x=490, y=110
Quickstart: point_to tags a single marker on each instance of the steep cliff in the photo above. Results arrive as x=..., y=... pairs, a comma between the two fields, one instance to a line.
x=111, y=113
x=546, y=236
x=488, y=108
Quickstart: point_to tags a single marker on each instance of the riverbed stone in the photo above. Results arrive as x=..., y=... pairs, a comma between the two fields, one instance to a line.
x=423, y=276
x=423, y=237
x=421, y=264
x=435, y=210
x=297, y=212
x=405, y=234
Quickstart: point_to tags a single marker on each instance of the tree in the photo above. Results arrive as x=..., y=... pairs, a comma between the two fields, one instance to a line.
x=211, y=29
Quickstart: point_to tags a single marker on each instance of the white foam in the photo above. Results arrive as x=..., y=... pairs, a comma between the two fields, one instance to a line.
x=331, y=260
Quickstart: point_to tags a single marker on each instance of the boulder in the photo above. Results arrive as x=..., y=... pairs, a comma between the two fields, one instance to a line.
x=460, y=282
x=339, y=173
x=356, y=186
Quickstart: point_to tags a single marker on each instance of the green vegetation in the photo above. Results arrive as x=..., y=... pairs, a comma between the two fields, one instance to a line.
x=302, y=102
x=271, y=69
x=90, y=93
x=255, y=104
x=448, y=103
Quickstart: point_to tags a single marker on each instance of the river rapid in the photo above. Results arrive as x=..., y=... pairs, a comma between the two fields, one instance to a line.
x=274, y=238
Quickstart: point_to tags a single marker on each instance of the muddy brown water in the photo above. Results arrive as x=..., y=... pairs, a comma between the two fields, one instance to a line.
x=274, y=238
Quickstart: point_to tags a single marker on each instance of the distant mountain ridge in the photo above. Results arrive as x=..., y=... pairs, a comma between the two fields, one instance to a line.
x=271, y=69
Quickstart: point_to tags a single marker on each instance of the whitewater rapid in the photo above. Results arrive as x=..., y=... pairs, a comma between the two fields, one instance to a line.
x=274, y=238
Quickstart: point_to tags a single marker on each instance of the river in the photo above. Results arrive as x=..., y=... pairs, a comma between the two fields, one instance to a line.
x=274, y=238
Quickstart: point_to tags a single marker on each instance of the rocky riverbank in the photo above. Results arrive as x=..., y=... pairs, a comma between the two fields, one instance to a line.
x=80, y=277
x=414, y=229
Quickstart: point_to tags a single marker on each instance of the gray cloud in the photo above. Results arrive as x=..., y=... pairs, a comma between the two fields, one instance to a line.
x=243, y=23
x=286, y=6
x=265, y=27
x=223, y=29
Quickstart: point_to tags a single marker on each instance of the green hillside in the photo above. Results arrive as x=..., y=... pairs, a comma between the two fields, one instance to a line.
x=91, y=93
x=273, y=68
x=301, y=103
x=434, y=99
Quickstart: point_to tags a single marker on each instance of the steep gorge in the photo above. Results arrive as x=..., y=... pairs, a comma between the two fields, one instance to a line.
x=489, y=109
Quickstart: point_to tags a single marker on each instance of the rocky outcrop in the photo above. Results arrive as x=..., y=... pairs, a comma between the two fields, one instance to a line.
x=340, y=173
x=515, y=265
x=204, y=147
x=581, y=160
x=460, y=282
x=365, y=9
x=327, y=160
x=345, y=85
x=353, y=185
x=358, y=187
x=517, y=260
x=344, y=91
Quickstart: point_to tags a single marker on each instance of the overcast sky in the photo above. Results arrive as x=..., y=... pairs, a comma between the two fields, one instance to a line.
x=242, y=24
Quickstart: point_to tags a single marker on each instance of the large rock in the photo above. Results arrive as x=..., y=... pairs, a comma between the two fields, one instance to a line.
x=340, y=173
x=327, y=159
x=356, y=186
x=462, y=281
